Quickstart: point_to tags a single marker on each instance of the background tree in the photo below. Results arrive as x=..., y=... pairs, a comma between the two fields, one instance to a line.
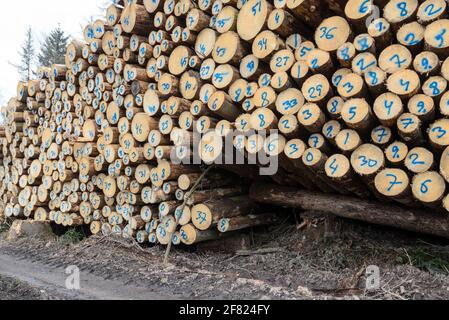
x=53, y=48
x=27, y=57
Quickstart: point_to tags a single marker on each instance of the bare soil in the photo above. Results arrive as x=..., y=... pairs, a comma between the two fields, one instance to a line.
x=285, y=262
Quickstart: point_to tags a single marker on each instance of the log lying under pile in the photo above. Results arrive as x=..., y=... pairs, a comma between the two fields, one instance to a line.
x=420, y=221
x=348, y=103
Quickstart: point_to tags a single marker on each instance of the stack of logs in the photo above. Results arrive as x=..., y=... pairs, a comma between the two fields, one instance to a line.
x=350, y=97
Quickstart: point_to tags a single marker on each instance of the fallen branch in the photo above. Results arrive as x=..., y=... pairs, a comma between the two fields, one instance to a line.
x=246, y=253
x=187, y=198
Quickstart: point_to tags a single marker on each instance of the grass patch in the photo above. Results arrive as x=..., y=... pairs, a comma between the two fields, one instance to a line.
x=72, y=236
x=428, y=259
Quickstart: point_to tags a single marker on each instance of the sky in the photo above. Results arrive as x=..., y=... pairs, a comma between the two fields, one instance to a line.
x=42, y=16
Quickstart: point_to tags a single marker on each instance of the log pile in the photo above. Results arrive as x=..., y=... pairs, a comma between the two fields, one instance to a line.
x=349, y=103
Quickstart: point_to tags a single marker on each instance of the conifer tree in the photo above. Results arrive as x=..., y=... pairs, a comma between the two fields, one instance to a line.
x=27, y=57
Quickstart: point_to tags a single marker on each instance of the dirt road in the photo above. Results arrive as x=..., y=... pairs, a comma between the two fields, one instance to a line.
x=111, y=271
